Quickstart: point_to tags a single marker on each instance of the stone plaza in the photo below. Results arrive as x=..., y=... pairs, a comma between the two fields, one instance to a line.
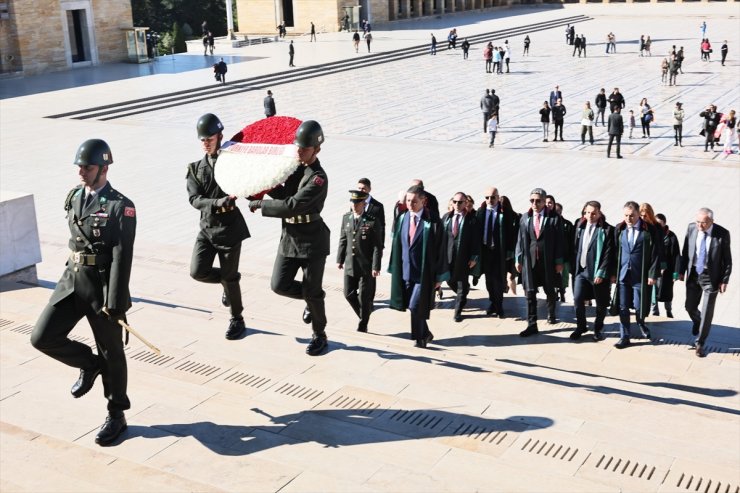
x=480, y=409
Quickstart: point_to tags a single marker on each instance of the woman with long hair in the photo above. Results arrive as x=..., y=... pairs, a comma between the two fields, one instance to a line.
x=646, y=116
x=511, y=274
x=730, y=131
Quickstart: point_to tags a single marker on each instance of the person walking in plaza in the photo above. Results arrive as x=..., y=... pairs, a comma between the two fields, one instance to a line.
x=221, y=68
x=291, y=54
x=486, y=107
x=368, y=39
x=711, y=121
x=497, y=227
x=527, y=42
x=587, y=121
x=356, y=41
x=492, y=128
x=433, y=46
x=545, y=120
x=632, y=122
x=583, y=46
x=359, y=255
x=679, y=59
x=672, y=257
x=539, y=257
x=724, y=51
x=497, y=60
x=462, y=250
x=673, y=67
x=648, y=43
x=706, y=264
x=375, y=211
x=465, y=48
x=577, y=46
x=646, y=116
x=488, y=57
x=612, y=43
x=496, y=105
x=678, y=116
x=730, y=136
x=304, y=241
x=313, y=33
x=706, y=50
x=703, y=28
x=417, y=265
x=555, y=94
x=95, y=285
x=269, y=105
x=222, y=226
x=211, y=42
x=615, y=129
x=507, y=56
x=593, y=266
x=616, y=100
x=642, y=45
x=558, y=118
x=664, y=70
x=205, y=44
x=638, y=269
x=600, y=102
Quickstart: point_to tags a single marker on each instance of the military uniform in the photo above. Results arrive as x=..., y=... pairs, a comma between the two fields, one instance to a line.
x=360, y=252
x=304, y=242
x=222, y=230
x=96, y=277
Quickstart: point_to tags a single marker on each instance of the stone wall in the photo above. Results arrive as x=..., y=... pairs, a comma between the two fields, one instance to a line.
x=40, y=35
x=10, y=55
x=110, y=17
x=258, y=16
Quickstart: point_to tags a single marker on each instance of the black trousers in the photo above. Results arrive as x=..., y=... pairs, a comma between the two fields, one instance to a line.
x=309, y=289
x=359, y=292
x=585, y=289
x=290, y=63
x=699, y=289
x=495, y=279
x=412, y=298
x=619, y=143
x=538, y=274
x=50, y=336
x=461, y=287
x=587, y=129
x=201, y=269
x=709, y=138
x=486, y=116
x=558, y=125
x=600, y=112
x=678, y=129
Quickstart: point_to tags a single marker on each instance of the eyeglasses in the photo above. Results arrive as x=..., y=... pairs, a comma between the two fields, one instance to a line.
x=459, y=201
x=491, y=197
x=535, y=201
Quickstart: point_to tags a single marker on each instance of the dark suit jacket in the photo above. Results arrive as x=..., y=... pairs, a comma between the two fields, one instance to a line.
x=551, y=245
x=719, y=258
x=459, y=251
x=360, y=245
x=376, y=210
x=506, y=228
x=269, y=104
x=615, y=124
x=601, y=255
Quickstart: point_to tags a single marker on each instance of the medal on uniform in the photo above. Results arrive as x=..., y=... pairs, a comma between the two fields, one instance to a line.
x=96, y=233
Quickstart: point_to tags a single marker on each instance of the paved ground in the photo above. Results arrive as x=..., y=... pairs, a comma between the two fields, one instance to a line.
x=481, y=410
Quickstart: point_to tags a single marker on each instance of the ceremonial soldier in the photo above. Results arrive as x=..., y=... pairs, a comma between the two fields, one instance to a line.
x=304, y=243
x=102, y=223
x=222, y=226
x=359, y=254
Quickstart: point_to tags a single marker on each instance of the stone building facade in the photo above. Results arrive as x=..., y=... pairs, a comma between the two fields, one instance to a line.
x=38, y=36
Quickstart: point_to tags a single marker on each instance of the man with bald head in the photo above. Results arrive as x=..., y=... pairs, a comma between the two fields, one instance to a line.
x=498, y=228
x=706, y=264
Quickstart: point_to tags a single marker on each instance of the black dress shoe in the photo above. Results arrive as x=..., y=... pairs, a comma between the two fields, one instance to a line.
x=225, y=300
x=530, y=330
x=419, y=343
x=598, y=336
x=307, y=318
x=644, y=331
x=362, y=327
x=490, y=310
x=669, y=314
x=317, y=345
x=620, y=157
x=694, y=330
x=85, y=382
x=552, y=320
x=576, y=334
x=700, y=351
x=622, y=343
x=111, y=430
x=236, y=329
x=429, y=338
x=501, y=314
x=458, y=317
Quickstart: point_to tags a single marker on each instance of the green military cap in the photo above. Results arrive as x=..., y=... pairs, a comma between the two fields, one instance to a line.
x=357, y=196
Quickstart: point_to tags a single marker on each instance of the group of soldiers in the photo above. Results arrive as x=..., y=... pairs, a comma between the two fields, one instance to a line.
x=539, y=246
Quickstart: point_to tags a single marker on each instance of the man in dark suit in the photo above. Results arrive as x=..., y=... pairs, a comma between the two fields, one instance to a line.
x=638, y=262
x=706, y=264
x=375, y=210
x=593, y=263
x=616, y=100
x=497, y=229
x=359, y=255
x=461, y=251
x=555, y=94
x=102, y=224
x=539, y=257
x=615, y=129
x=417, y=264
x=222, y=226
x=558, y=118
x=486, y=107
x=600, y=102
x=269, y=105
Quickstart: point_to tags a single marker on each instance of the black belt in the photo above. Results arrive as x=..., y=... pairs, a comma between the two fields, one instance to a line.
x=83, y=258
x=224, y=210
x=303, y=218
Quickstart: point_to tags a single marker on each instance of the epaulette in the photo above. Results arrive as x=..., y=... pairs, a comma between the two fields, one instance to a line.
x=70, y=196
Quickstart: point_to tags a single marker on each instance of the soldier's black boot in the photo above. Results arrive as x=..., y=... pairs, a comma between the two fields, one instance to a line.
x=85, y=382
x=114, y=425
x=307, y=318
x=225, y=300
x=317, y=345
x=236, y=329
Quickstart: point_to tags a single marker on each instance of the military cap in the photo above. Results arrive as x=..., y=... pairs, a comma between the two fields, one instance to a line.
x=357, y=196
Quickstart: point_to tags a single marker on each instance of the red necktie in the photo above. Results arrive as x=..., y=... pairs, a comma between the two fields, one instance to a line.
x=412, y=228
x=537, y=225
x=456, y=225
